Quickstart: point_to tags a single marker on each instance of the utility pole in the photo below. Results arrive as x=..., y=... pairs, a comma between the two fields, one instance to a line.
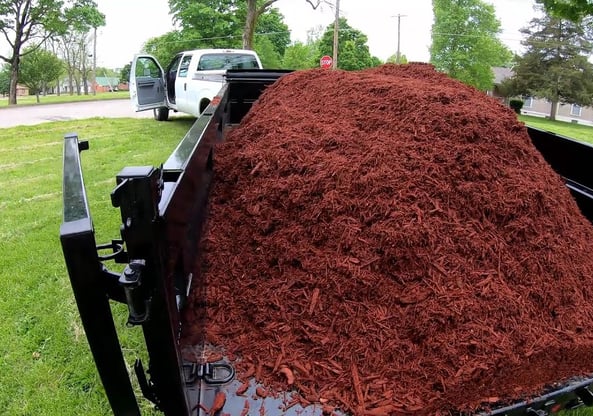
x=336, y=30
x=398, y=54
x=95, y=61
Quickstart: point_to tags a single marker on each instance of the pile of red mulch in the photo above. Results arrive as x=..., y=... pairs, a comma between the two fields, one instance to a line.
x=393, y=237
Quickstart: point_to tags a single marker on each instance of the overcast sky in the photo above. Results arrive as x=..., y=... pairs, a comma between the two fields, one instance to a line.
x=131, y=22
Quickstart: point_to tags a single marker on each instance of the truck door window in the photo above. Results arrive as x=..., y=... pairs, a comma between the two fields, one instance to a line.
x=218, y=61
x=183, y=66
x=147, y=68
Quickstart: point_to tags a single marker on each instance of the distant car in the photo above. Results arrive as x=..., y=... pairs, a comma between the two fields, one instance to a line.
x=188, y=84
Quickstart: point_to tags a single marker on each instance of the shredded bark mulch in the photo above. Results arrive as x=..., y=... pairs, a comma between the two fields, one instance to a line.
x=392, y=237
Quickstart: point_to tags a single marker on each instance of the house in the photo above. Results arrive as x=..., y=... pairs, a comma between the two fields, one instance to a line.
x=541, y=107
x=109, y=84
x=21, y=90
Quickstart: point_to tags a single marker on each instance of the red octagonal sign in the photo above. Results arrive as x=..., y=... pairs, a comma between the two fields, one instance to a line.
x=326, y=61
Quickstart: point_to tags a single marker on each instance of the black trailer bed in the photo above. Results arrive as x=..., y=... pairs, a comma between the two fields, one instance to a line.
x=164, y=205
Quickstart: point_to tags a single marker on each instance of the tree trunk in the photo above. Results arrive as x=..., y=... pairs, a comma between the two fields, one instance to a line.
x=253, y=13
x=37, y=96
x=14, y=79
x=553, y=110
x=250, y=22
x=85, y=85
x=14, y=75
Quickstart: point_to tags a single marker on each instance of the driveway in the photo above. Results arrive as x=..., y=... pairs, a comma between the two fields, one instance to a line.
x=42, y=113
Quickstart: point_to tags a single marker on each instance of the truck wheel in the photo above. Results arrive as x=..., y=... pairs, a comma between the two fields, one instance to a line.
x=161, y=114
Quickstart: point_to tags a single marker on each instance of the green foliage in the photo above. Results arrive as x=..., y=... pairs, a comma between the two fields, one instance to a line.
x=301, y=56
x=4, y=79
x=39, y=68
x=555, y=64
x=465, y=43
x=107, y=72
x=268, y=54
x=166, y=46
x=34, y=21
x=271, y=25
x=516, y=105
x=84, y=16
x=393, y=59
x=353, y=51
x=208, y=23
x=124, y=74
x=220, y=24
x=568, y=9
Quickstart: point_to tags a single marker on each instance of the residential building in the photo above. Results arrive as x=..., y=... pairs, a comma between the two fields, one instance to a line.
x=541, y=107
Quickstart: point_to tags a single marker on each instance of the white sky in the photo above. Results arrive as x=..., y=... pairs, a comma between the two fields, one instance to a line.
x=131, y=22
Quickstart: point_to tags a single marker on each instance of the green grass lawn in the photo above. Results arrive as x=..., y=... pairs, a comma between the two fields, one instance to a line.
x=576, y=131
x=45, y=364
x=66, y=98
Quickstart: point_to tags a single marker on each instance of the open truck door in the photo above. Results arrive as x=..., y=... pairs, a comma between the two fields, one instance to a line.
x=148, y=88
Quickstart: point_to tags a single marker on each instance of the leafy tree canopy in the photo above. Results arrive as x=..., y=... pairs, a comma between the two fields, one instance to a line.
x=465, y=43
x=353, y=51
x=4, y=79
x=568, y=9
x=221, y=23
x=31, y=22
x=166, y=46
x=39, y=68
x=124, y=75
x=301, y=56
x=555, y=64
x=267, y=53
x=393, y=59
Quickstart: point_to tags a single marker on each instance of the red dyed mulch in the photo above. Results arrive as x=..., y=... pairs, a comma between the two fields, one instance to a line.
x=393, y=237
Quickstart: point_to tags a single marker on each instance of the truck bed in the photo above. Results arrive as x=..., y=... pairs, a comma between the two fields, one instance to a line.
x=163, y=211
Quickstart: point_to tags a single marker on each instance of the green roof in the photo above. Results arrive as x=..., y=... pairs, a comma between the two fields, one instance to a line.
x=107, y=81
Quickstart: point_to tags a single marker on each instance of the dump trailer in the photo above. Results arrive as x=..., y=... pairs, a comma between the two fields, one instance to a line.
x=169, y=202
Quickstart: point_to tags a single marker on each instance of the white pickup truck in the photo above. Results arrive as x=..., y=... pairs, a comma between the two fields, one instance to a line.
x=188, y=84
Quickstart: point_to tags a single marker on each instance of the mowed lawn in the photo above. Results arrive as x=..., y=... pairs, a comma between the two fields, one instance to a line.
x=45, y=364
x=66, y=98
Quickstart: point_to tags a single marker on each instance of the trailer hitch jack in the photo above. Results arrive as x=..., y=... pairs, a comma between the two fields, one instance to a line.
x=138, y=303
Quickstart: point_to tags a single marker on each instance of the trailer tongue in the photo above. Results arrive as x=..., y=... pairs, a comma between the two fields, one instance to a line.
x=163, y=211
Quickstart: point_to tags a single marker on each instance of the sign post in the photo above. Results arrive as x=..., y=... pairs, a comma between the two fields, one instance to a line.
x=326, y=62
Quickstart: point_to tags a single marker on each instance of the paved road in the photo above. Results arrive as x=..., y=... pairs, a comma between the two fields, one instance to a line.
x=35, y=114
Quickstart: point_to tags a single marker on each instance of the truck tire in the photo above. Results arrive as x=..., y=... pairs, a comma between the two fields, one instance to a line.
x=161, y=114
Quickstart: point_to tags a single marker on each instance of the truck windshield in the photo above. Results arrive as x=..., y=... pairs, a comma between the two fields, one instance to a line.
x=214, y=61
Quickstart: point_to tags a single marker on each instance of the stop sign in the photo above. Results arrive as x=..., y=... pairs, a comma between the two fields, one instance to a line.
x=326, y=61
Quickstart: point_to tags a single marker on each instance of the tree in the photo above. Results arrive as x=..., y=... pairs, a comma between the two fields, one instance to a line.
x=465, y=43
x=393, y=59
x=124, y=75
x=569, y=9
x=4, y=79
x=352, y=46
x=208, y=23
x=166, y=46
x=267, y=53
x=271, y=25
x=38, y=69
x=255, y=9
x=301, y=56
x=33, y=22
x=230, y=23
x=554, y=65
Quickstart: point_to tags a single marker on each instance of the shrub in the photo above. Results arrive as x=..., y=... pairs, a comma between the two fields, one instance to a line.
x=516, y=105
